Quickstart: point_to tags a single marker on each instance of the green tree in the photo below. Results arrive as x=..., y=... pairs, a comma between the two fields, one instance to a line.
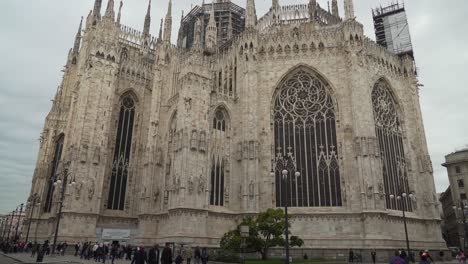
x=265, y=231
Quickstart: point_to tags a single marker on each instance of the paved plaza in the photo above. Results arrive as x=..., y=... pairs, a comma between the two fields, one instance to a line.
x=26, y=258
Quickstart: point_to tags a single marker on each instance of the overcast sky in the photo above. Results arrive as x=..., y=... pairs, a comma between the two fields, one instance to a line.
x=37, y=34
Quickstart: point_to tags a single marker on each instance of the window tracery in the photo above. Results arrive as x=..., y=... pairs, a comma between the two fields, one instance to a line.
x=122, y=151
x=389, y=132
x=304, y=123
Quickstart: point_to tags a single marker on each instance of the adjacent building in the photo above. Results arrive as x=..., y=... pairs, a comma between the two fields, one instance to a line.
x=177, y=143
x=12, y=225
x=457, y=170
x=449, y=224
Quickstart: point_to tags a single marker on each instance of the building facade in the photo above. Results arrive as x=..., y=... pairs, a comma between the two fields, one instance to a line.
x=449, y=223
x=457, y=170
x=169, y=144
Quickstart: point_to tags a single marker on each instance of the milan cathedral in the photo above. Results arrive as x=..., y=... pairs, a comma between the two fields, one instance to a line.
x=178, y=142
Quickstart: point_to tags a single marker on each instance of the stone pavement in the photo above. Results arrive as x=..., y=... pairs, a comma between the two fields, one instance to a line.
x=26, y=258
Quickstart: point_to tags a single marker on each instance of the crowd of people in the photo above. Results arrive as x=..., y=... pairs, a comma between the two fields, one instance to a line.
x=109, y=252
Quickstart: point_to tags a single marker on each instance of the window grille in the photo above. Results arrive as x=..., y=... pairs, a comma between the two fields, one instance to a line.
x=120, y=164
x=304, y=122
x=390, y=136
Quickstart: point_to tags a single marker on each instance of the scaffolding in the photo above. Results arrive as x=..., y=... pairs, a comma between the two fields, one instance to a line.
x=229, y=17
x=392, y=30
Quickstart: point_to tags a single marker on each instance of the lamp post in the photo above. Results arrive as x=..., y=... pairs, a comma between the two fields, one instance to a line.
x=5, y=225
x=462, y=208
x=244, y=232
x=399, y=197
x=285, y=165
x=62, y=196
x=18, y=222
x=11, y=222
x=32, y=202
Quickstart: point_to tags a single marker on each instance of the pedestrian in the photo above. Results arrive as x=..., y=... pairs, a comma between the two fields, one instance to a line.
x=373, y=255
x=166, y=256
x=351, y=256
x=204, y=256
x=179, y=259
x=197, y=255
x=140, y=256
x=153, y=255
x=461, y=257
x=188, y=254
x=77, y=247
x=114, y=252
x=397, y=259
x=426, y=257
x=42, y=251
x=34, y=249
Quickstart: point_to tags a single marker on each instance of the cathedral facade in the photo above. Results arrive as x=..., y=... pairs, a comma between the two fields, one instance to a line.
x=177, y=143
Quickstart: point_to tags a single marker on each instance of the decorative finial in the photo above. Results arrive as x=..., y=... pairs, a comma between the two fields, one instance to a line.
x=168, y=23
x=76, y=46
x=251, y=14
x=335, y=11
x=120, y=12
x=110, y=14
x=147, y=25
x=349, y=9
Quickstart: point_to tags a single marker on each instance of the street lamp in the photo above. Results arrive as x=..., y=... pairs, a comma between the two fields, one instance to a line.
x=403, y=195
x=244, y=232
x=11, y=222
x=462, y=208
x=18, y=221
x=32, y=201
x=285, y=165
x=64, y=183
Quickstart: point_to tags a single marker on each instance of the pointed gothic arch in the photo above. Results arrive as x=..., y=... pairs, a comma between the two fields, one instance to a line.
x=304, y=122
x=122, y=151
x=389, y=132
x=53, y=173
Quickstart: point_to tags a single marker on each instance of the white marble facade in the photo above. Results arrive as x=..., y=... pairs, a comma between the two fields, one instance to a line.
x=184, y=139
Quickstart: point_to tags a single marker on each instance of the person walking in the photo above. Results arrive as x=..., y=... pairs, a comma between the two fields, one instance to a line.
x=34, y=249
x=461, y=257
x=426, y=257
x=204, y=256
x=140, y=256
x=166, y=256
x=397, y=259
x=373, y=255
x=351, y=256
x=42, y=251
x=153, y=255
x=188, y=254
x=197, y=255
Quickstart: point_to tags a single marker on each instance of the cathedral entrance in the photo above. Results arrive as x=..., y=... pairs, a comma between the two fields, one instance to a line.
x=305, y=125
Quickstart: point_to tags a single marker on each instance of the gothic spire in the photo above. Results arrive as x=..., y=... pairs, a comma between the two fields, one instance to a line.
x=120, y=12
x=335, y=8
x=97, y=9
x=328, y=3
x=211, y=31
x=110, y=14
x=349, y=9
x=275, y=4
x=168, y=23
x=76, y=46
x=312, y=10
x=251, y=14
x=160, y=30
x=147, y=25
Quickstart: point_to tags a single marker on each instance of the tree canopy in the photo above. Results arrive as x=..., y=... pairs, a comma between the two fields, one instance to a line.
x=265, y=231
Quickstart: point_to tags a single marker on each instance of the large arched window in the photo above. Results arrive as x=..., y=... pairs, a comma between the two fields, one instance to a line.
x=52, y=178
x=304, y=123
x=390, y=136
x=123, y=144
x=218, y=141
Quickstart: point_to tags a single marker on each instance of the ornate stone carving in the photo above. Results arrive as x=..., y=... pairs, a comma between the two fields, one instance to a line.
x=190, y=184
x=91, y=189
x=201, y=184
